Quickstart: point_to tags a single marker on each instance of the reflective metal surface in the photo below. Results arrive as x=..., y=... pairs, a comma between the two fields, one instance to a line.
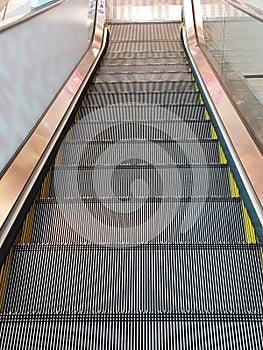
x=243, y=149
x=18, y=180
x=247, y=8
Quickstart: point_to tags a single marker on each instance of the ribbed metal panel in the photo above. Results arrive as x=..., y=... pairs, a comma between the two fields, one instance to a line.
x=80, y=332
x=129, y=181
x=145, y=31
x=137, y=62
x=142, y=77
x=157, y=278
x=144, y=69
x=106, y=130
x=144, y=46
x=195, y=220
x=140, y=86
x=155, y=98
x=181, y=152
x=144, y=112
x=144, y=55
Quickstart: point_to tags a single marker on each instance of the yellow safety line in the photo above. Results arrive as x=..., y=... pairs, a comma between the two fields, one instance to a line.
x=201, y=100
x=77, y=116
x=46, y=185
x=107, y=25
x=222, y=156
x=233, y=186
x=250, y=232
x=4, y=273
x=207, y=116
x=27, y=225
x=196, y=87
x=58, y=158
x=213, y=132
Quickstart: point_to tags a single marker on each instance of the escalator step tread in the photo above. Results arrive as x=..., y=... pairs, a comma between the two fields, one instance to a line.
x=144, y=46
x=143, y=69
x=187, y=152
x=195, y=220
x=144, y=55
x=145, y=86
x=109, y=126
x=145, y=31
x=144, y=112
x=138, y=62
x=161, y=98
x=177, y=181
x=129, y=335
x=135, y=279
x=131, y=78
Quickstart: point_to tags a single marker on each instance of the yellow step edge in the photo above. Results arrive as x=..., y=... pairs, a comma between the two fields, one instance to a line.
x=196, y=87
x=46, y=185
x=233, y=186
x=58, y=158
x=213, y=132
x=201, y=101
x=222, y=156
x=250, y=232
x=207, y=116
x=27, y=225
x=4, y=273
x=77, y=116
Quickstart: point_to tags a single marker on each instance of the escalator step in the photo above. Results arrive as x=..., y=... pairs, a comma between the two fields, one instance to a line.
x=157, y=278
x=132, y=180
x=144, y=46
x=181, y=152
x=194, y=221
x=143, y=77
x=137, y=62
x=144, y=55
x=161, y=98
x=145, y=31
x=80, y=332
x=143, y=69
x=108, y=129
x=124, y=86
x=144, y=112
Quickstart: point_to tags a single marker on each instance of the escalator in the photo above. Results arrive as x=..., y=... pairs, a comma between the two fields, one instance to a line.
x=139, y=238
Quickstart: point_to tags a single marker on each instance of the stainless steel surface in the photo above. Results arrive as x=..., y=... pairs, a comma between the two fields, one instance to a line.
x=18, y=180
x=246, y=155
x=247, y=8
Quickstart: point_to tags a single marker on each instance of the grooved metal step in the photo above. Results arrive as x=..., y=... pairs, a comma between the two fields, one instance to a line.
x=143, y=86
x=177, y=220
x=141, y=130
x=181, y=152
x=140, y=113
x=155, y=98
x=144, y=55
x=84, y=332
x=144, y=69
x=139, y=181
x=144, y=31
x=137, y=62
x=157, y=278
x=143, y=77
x=144, y=46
